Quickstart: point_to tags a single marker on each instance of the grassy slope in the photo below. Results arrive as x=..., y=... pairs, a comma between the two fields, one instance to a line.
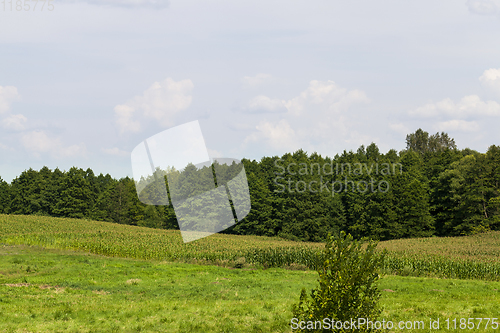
x=62, y=291
x=131, y=241
x=472, y=257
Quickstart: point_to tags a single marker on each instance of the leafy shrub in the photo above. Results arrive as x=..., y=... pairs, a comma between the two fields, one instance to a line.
x=239, y=263
x=347, y=285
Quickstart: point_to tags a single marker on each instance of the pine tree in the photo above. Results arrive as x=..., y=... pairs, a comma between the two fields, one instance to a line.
x=77, y=198
x=26, y=193
x=4, y=197
x=470, y=191
x=410, y=192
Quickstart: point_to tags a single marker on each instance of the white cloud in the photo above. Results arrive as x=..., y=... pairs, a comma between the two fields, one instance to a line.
x=8, y=95
x=279, y=136
x=328, y=96
x=15, y=122
x=116, y=152
x=124, y=114
x=160, y=102
x=317, y=117
x=457, y=125
x=399, y=128
x=471, y=105
x=38, y=142
x=263, y=104
x=257, y=80
x=491, y=78
x=469, y=114
x=483, y=7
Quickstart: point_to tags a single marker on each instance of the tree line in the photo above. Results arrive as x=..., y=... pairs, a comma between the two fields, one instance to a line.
x=430, y=188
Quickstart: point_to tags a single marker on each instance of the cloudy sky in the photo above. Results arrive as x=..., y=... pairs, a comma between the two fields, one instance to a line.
x=86, y=82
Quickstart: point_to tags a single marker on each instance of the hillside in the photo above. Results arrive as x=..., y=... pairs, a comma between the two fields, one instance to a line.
x=459, y=257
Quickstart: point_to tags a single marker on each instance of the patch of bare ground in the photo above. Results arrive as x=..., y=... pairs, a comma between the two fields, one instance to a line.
x=18, y=284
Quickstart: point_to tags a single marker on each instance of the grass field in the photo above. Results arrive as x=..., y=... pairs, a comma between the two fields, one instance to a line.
x=54, y=290
x=63, y=291
x=140, y=280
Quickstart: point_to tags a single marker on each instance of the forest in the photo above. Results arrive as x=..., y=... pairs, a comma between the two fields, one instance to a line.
x=431, y=188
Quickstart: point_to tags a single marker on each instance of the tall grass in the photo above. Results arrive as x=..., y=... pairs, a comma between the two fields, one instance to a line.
x=432, y=265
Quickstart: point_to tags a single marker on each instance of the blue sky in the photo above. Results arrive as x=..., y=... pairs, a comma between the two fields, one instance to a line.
x=85, y=83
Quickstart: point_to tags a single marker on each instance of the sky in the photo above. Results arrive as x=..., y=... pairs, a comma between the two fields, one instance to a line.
x=83, y=82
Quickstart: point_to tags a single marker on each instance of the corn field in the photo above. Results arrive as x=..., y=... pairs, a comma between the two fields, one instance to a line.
x=475, y=258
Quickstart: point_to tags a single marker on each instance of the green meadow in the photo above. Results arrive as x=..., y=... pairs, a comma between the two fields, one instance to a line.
x=65, y=275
